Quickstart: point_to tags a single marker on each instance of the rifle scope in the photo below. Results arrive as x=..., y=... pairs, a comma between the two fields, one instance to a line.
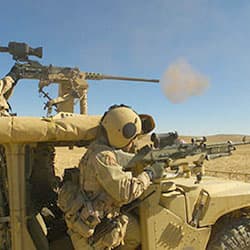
x=21, y=51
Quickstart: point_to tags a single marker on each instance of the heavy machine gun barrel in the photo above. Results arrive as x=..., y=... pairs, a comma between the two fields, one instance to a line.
x=98, y=76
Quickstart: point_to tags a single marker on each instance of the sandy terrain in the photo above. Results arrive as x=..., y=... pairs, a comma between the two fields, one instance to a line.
x=238, y=162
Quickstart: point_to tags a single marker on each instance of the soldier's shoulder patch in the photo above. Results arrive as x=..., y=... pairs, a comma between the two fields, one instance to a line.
x=108, y=158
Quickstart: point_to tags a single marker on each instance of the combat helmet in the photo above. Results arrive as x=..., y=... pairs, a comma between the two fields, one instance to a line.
x=122, y=124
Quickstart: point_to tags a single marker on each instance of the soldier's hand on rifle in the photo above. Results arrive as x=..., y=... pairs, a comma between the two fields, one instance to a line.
x=15, y=73
x=156, y=170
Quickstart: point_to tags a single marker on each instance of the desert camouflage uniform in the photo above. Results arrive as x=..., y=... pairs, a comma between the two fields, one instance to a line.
x=109, y=187
x=5, y=90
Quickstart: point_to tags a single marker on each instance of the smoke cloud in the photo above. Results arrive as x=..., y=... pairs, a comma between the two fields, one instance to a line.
x=180, y=81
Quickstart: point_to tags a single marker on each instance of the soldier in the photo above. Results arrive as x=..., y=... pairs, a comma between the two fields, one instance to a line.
x=105, y=186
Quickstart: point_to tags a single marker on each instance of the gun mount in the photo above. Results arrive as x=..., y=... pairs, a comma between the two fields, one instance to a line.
x=72, y=82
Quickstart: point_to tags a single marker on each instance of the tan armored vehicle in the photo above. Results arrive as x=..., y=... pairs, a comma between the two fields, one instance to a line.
x=184, y=210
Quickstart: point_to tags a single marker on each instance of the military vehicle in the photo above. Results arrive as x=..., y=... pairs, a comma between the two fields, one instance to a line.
x=184, y=210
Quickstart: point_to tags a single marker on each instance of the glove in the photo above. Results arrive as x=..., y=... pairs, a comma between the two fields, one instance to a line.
x=155, y=171
x=15, y=72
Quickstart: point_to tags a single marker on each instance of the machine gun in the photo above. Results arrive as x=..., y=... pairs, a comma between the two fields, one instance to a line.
x=72, y=82
x=189, y=156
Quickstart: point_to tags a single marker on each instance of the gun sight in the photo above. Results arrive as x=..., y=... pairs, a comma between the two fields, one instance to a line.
x=22, y=51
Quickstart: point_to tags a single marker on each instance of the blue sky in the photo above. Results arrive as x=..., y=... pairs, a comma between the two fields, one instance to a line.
x=141, y=38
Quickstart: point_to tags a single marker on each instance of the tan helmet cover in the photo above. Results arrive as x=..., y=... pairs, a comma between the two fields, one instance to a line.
x=122, y=125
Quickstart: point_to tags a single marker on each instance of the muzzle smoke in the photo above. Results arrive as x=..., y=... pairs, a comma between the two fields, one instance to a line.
x=181, y=81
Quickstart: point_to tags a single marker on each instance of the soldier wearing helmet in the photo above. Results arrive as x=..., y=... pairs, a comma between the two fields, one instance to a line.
x=121, y=125
x=107, y=186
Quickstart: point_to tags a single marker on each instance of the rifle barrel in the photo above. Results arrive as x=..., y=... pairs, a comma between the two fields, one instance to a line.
x=240, y=143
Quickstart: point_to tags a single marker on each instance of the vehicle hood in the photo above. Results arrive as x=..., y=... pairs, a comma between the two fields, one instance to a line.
x=224, y=196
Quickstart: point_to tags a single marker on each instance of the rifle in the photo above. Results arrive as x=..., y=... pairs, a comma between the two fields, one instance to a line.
x=183, y=154
x=72, y=81
x=108, y=224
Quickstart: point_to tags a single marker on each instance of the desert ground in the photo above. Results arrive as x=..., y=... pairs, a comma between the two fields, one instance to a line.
x=236, y=166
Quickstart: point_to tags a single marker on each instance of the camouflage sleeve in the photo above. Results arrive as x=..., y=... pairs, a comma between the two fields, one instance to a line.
x=119, y=184
x=6, y=84
x=5, y=91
